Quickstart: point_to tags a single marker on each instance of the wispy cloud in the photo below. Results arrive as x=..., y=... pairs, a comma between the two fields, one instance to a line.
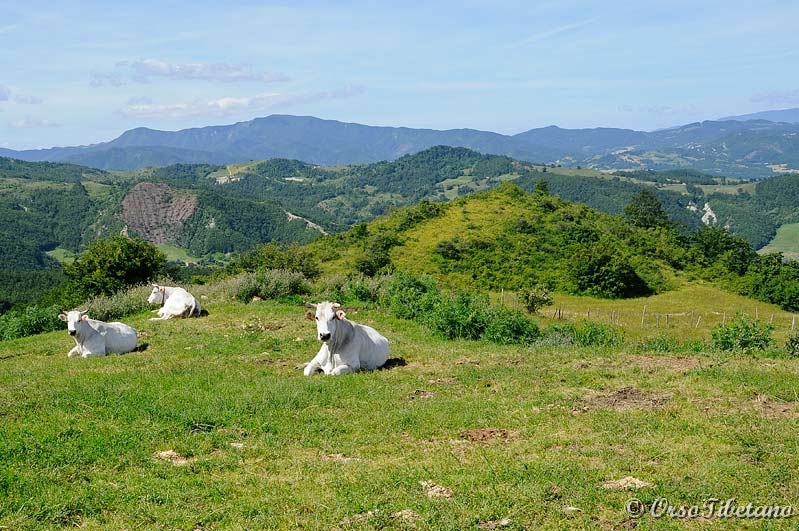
x=26, y=99
x=781, y=97
x=33, y=123
x=5, y=93
x=146, y=70
x=229, y=105
x=543, y=35
x=665, y=110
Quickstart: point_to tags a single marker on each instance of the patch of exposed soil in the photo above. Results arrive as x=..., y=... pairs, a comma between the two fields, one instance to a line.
x=627, y=398
x=171, y=456
x=435, y=491
x=489, y=434
x=626, y=483
x=774, y=409
x=156, y=212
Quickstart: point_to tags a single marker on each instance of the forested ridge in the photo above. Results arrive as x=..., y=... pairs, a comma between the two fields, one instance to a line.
x=45, y=206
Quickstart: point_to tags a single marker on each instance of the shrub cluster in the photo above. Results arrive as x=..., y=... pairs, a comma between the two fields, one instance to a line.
x=742, y=334
x=28, y=321
x=461, y=316
x=265, y=284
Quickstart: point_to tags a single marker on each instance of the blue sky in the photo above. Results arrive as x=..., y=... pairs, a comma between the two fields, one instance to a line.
x=81, y=72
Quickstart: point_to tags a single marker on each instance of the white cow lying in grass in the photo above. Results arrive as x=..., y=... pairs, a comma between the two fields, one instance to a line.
x=96, y=338
x=347, y=346
x=175, y=302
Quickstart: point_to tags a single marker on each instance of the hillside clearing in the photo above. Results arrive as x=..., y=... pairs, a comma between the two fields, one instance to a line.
x=786, y=241
x=212, y=426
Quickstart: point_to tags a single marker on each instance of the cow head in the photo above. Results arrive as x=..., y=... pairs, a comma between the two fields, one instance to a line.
x=157, y=296
x=327, y=316
x=73, y=320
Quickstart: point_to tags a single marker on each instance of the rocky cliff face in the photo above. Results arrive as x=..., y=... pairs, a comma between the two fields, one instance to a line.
x=156, y=212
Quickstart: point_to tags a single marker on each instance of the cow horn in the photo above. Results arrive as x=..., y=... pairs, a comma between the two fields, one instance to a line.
x=310, y=305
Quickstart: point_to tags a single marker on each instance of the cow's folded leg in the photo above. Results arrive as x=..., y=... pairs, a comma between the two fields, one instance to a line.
x=74, y=352
x=343, y=369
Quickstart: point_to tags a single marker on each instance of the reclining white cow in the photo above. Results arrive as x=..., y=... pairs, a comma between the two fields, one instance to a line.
x=175, y=301
x=96, y=338
x=346, y=346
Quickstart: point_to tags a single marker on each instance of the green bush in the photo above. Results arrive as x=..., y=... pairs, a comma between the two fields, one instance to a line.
x=120, y=304
x=742, y=334
x=109, y=265
x=265, y=284
x=466, y=316
x=409, y=297
x=509, y=327
x=29, y=321
x=792, y=345
x=353, y=288
x=593, y=334
x=585, y=334
x=535, y=298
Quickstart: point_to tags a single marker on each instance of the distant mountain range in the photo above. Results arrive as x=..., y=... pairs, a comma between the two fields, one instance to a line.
x=749, y=146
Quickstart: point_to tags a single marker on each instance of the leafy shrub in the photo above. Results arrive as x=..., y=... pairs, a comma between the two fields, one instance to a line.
x=593, y=334
x=792, y=345
x=660, y=343
x=29, y=321
x=509, y=327
x=742, y=334
x=586, y=334
x=109, y=265
x=535, y=298
x=347, y=289
x=265, y=284
x=118, y=305
x=466, y=316
x=409, y=297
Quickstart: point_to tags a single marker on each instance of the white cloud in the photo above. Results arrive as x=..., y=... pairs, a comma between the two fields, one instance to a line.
x=784, y=97
x=145, y=70
x=550, y=33
x=33, y=123
x=229, y=105
x=28, y=100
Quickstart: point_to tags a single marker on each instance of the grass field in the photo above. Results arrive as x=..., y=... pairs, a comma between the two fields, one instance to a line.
x=212, y=426
x=786, y=241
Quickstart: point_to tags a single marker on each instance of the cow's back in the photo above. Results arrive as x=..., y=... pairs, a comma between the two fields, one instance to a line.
x=119, y=337
x=374, y=350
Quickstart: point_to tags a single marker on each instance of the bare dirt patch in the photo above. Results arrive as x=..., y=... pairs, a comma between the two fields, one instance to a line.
x=489, y=434
x=771, y=408
x=157, y=211
x=626, y=483
x=627, y=398
x=171, y=456
x=420, y=393
x=436, y=491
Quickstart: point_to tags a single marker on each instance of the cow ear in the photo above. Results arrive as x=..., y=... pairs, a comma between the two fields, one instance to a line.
x=310, y=315
x=84, y=317
x=341, y=315
x=62, y=316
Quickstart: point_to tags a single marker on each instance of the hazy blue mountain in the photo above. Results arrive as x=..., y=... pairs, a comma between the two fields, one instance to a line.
x=790, y=116
x=734, y=148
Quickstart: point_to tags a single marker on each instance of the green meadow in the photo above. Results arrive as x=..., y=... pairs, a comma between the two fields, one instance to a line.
x=786, y=241
x=212, y=426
